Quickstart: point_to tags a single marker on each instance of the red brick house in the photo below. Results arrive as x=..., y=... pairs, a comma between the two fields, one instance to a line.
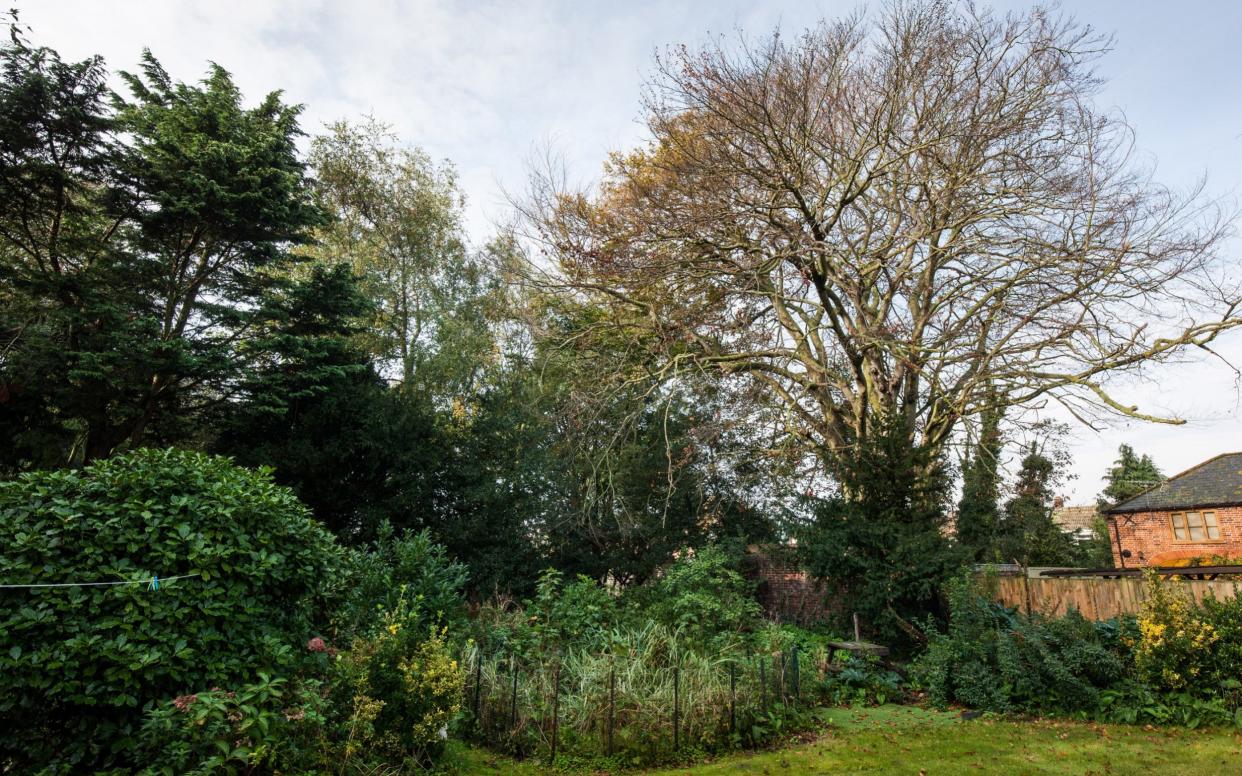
x=1196, y=514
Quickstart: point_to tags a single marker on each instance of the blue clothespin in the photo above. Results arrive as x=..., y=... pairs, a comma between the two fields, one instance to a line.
x=155, y=583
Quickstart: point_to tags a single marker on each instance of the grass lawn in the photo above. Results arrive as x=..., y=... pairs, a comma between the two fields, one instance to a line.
x=909, y=740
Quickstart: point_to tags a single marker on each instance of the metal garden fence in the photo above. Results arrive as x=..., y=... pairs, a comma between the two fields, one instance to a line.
x=623, y=704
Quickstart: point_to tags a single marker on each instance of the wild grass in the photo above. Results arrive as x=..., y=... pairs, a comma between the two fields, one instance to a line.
x=638, y=683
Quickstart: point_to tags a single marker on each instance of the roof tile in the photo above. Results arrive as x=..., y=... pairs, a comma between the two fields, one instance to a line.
x=1216, y=482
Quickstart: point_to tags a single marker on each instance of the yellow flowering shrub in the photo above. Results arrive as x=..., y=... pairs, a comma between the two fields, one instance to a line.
x=1174, y=648
x=432, y=676
x=406, y=687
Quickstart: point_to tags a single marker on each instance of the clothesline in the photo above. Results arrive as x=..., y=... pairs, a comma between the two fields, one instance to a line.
x=154, y=582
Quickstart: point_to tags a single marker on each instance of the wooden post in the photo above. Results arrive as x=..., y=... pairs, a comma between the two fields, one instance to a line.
x=676, y=707
x=612, y=704
x=1026, y=586
x=857, y=630
x=513, y=708
x=732, y=697
x=556, y=709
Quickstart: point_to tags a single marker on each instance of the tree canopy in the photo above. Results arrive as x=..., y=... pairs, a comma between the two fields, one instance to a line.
x=914, y=221
x=138, y=236
x=904, y=213
x=1130, y=475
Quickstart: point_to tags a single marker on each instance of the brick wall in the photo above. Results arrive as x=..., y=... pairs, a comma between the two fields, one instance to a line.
x=784, y=590
x=1149, y=537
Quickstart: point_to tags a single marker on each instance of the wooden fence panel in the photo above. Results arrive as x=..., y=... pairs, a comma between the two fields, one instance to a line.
x=1096, y=598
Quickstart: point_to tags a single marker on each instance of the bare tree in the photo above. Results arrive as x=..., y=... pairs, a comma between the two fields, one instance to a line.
x=910, y=213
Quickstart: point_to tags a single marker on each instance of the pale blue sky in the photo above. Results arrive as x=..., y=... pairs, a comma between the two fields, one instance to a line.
x=486, y=84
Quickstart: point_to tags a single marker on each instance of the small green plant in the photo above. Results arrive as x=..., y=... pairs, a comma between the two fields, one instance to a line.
x=264, y=727
x=860, y=680
x=1132, y=703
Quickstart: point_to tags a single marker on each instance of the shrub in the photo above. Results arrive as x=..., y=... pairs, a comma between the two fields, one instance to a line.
x=703, y=596
x=1175, y=649
x=395, y=569
x=84, y=661
x=991, y=657
x=574, y=613
x=398, y=690
x=264, y=727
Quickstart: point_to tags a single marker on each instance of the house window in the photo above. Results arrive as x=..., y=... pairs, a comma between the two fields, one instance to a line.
x=1195, y=527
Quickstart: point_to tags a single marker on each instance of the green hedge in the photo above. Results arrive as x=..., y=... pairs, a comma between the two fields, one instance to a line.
x=79, y=664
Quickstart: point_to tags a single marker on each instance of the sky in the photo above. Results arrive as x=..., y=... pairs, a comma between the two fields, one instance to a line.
x=490, y=86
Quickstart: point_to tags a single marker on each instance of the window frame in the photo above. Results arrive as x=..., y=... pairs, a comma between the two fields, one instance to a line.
x=1185, y=526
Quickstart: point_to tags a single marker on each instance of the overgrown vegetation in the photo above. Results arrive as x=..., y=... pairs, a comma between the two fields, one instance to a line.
x=680, y=666
x=238, y=652
x=398, y=484
x=1160, y=667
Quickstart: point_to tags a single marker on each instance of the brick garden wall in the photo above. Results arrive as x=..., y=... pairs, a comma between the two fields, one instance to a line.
x=1149, y=538
x=784, y=590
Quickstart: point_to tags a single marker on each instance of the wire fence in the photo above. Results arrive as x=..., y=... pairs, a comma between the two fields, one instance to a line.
x=630, y=704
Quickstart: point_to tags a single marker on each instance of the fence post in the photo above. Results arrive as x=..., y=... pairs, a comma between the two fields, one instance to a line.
x=780, y=682
x=763, y=683
x=732, y=697
x=676, y=707
x=513, y=707
x=612, y=703
x=478, y=680
x=556, y=708
x=793, y=656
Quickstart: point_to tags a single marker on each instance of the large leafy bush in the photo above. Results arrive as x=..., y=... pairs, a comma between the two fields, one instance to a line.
x=80, y=663
x=991, y=657
x=704, y=596
x=405, y=572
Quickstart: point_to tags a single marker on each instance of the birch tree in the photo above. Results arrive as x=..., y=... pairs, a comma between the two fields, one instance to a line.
x=398, y=225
